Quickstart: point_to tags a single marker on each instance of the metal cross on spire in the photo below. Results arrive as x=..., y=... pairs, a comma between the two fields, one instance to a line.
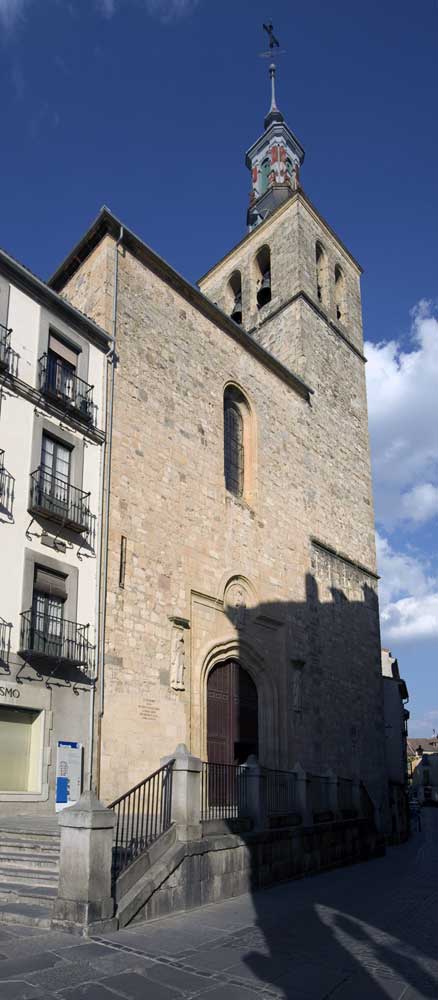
x=273, y=41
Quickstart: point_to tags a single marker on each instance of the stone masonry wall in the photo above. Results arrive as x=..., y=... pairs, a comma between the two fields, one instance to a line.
x=189, y=542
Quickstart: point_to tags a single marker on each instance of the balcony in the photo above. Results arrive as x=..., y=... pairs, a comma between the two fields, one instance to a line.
x=60, y=502
x=58, y=382
x=8, y=357
x=7, y=483
x=50, y=640
x=5, y=642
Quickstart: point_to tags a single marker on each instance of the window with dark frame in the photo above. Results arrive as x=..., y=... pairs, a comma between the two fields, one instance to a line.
x=54, y=476
x=233, y=447
x=61, y=366
x=49, y=596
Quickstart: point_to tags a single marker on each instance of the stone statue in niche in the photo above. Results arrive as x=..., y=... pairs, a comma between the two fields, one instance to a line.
x=238, y=607
x=177, y=666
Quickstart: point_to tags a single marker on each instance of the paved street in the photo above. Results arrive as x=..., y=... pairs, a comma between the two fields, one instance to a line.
x=370, y=931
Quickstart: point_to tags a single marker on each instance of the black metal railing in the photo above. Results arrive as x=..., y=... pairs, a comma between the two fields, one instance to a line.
x=142, y=815
x=59, y=501
x=47, y=637
x=224, y=791
x=319, y=792
x=279, y=792
x=8, y=357
x=58, y=380
x=5, y=346
x=7, y=483
x=5, y=641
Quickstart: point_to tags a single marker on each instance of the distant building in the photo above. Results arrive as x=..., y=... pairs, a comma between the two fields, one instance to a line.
x=395, y=694
x=423, y=764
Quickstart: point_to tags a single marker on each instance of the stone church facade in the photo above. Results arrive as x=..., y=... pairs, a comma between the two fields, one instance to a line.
x=242, y=610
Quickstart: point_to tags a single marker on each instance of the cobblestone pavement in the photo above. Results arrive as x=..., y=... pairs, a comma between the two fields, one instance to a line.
x=369, y=931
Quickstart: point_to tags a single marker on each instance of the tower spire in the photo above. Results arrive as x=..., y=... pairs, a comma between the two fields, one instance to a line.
x=274, y=115
x=275, y=158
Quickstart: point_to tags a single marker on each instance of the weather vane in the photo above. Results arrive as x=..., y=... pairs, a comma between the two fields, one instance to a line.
x=274, y=44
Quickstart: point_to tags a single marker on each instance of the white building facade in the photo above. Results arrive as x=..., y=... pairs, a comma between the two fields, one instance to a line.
x=53, y=364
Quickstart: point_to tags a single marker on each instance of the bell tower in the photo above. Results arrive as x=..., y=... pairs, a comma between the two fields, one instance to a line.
x=274, y=161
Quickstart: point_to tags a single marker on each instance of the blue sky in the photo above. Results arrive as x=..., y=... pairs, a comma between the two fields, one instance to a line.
x=148, y=106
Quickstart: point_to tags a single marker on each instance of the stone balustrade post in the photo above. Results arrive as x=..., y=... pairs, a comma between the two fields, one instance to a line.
x=302, y=795
x=186, y=793
x=255, y=799
x=333, y=797
x=355, y=795
x=84, y=903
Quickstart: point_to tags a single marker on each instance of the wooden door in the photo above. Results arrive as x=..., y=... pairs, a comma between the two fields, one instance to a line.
x=232, y=714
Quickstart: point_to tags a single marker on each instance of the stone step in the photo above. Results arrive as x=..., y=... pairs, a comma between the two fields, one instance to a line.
x=20, y=859
x=29, y=846
x=28, y=875
x=26, y=914
x=26, y=893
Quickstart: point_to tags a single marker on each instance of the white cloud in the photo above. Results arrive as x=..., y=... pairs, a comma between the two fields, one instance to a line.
x=410, y=618
x=11, y=11
x=408, y=595
x=106, y=7
x=420, y=503
x=403, y=412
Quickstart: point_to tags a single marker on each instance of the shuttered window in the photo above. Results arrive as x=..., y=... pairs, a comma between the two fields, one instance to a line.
x=62, y=350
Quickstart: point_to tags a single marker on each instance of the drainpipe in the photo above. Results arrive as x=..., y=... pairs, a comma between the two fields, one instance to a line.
x=104, y=535
x=108, y=358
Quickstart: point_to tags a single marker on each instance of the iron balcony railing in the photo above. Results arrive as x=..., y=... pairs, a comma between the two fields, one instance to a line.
x=59, y=501
x=5, y=641
x=6, y=488
x=224, y=791
x=8, y=357
x=59, y=382
x=49, y=638
x=5, y=347
x=142, y=815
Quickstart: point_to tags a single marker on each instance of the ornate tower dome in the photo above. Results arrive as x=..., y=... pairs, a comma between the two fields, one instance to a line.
x=274, y=161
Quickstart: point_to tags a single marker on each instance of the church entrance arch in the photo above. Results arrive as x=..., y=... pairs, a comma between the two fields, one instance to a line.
x=232, y=714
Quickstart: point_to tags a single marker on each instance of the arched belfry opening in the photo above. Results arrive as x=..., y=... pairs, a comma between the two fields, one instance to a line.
x=232, y=714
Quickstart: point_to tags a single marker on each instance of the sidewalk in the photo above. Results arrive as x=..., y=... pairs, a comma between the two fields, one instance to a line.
x=359, y=933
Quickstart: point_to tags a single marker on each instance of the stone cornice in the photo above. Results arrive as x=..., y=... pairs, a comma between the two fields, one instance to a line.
x=317, y=543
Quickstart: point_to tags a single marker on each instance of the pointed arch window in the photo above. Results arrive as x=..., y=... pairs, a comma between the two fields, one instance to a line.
x=233, y=445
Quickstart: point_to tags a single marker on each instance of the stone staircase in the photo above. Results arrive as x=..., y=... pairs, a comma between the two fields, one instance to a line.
x=29, y=870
